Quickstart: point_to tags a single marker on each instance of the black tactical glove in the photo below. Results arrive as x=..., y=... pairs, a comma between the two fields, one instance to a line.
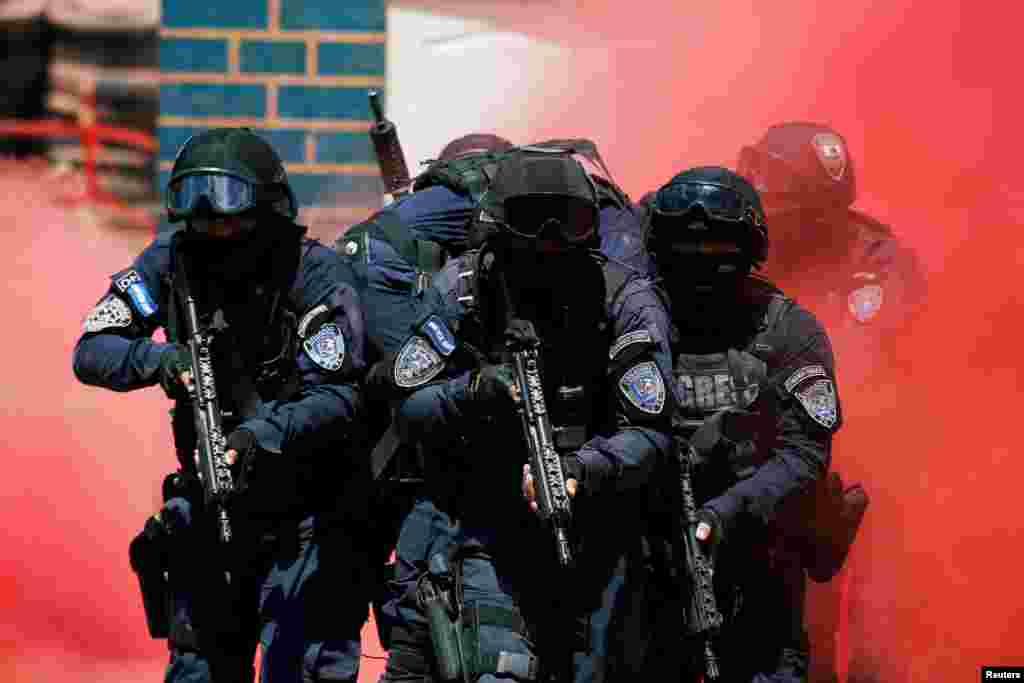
x=521, y=334
x=173, y=362
x=710, y=529
x=491, y=385
x=245, y=468
x=572, y=468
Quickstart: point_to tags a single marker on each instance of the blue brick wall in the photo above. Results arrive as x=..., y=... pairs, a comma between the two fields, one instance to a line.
x=349, y=15
x=319, y=102
x=202, y=99
x=200, y=56
x=214, y=14
x=344, y=148
x=273, y=57
x=298, y=77
x=342, y=58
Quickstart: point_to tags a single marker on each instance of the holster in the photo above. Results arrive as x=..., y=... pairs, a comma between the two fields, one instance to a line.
x=455, y=627
x=148, y=556
x=821, y=525
x=436, y=595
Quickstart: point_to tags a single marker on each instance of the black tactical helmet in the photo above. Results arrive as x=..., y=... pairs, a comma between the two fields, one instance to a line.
x=539, y=193
x=233, y=170
x=807, y=164
x=466, y=164
x=709, y=204
x=474, y=142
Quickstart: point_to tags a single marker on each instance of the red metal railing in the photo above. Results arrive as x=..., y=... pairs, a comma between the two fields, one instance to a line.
x=91, y=134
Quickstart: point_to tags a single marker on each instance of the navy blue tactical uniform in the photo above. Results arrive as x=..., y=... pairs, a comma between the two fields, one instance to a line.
x=756, y=393
x=623, y=238
x=314, y=422
x=768, y=373
x=394, y=255
x=288, y=351
x=471, y=534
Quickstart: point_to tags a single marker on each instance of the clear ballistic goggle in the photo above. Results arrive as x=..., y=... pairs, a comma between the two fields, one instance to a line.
x=227, y=194
x=719, y=202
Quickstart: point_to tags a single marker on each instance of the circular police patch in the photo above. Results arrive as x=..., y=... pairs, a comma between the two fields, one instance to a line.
x=819, y=400
x=644, y=388
x=417, y=363
x=351, y=247
x=326, y=348
x=110, y=312
x=831, y=154
x=865, y=302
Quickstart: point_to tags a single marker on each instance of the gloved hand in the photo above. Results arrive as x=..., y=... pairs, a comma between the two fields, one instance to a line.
x=246, y=459
x=491, y=385
x=521, y=334
x=710, y=529
x=176, y=372
x=572, y=468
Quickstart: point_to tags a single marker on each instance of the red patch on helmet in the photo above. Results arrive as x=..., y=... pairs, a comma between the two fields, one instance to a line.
x=831, y=153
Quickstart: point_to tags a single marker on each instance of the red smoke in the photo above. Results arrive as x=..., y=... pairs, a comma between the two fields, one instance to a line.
x=925, y=104
x=81, y=465
x=929, y=111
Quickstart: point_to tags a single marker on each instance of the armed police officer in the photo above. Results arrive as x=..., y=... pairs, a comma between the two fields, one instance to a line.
x=865, y=285
x=850, y=268
x=755, y=384
x=264, y=348
x=485, y=589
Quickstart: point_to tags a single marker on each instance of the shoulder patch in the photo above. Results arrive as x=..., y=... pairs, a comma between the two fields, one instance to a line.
x=819, y=400
x=831, y=153
x=326, y=348
x=803, y=373
x=644, y=388
x=130, y=282
x=637, y=337
x=865, y=302
x=440, y=336
x=308, y=318
x=110, y=312
x=417, y=363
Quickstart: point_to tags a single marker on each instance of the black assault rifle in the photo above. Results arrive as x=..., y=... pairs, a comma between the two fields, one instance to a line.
x=702, y=618
x=388, y=149
x=214, y=470
x=545, y=464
